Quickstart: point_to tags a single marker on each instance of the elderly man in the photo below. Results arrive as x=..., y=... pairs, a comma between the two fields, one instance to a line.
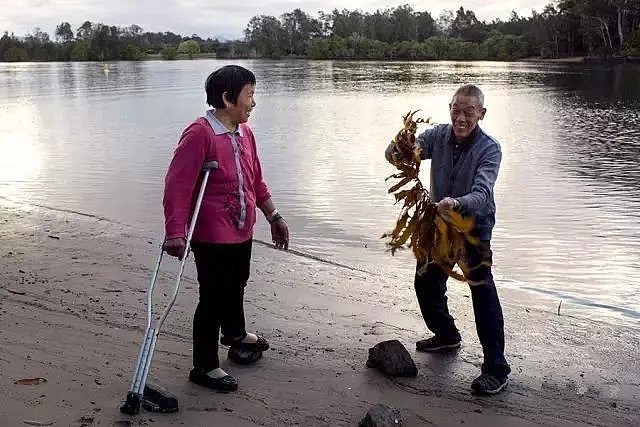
x=464, y=167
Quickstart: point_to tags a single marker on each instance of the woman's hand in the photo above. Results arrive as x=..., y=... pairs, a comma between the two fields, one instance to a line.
x=280, y=233
x=175, y=247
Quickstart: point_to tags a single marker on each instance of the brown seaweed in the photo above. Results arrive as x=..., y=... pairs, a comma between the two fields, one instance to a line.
x=434, y=237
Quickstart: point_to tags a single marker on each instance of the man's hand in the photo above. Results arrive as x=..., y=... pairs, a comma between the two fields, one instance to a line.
x=280, y=233
x=392, y=154
x=447, y=204
x=175, y=247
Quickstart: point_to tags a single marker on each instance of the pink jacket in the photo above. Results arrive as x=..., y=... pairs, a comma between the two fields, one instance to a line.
x=228, y=211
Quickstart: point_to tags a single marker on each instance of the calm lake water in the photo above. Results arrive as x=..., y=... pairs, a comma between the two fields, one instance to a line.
x=568, y=195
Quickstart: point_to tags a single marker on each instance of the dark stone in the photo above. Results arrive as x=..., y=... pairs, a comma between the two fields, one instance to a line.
x=381, y=416
x=244, y=357
x=392, y=358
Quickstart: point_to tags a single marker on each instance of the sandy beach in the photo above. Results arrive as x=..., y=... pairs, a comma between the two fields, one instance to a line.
x=73, y=306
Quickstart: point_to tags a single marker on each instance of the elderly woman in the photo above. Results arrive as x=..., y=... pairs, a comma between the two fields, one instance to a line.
x=224, y=228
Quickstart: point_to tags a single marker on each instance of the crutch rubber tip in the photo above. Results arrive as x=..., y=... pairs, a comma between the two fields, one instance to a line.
x=132, y=405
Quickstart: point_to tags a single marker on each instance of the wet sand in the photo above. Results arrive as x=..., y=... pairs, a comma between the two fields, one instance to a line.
x=73, y=306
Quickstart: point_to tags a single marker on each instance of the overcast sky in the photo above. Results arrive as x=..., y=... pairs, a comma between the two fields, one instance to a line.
x=214, y=17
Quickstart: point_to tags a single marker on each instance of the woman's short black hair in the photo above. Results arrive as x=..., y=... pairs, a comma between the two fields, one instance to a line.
x=230, y=79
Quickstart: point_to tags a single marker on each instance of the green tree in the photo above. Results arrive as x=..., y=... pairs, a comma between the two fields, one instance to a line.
x=403, y=23
x=189, y=48
x=425, y=26
x=64, y=33
x=504, y=47
x=299, y=29
x=105, y=43
x=133, y=53
x=445, y=22
x=39, y=47
x=632, y=44
x=436, y=48
x=5, y=43
x=80, y=51
x=467, y=26
x=266, y=35
x=16, y=54
x=85, y=31
x=169, y=53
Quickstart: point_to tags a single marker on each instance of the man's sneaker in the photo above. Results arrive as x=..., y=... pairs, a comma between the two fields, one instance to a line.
x=437, y=343
x=488, y=384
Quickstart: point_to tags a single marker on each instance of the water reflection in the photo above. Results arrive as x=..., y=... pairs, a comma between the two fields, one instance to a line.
x=19, y=155
x=567, y=192
x=596, y=85
x=613, y=145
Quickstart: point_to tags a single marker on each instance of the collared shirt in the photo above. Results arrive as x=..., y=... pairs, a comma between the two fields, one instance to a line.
x=460, y=145
x=218, y=127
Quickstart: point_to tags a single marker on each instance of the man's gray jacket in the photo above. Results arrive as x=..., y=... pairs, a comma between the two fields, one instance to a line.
x=471, y=180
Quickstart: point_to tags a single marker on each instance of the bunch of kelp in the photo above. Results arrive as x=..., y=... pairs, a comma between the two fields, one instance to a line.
x=434, y=237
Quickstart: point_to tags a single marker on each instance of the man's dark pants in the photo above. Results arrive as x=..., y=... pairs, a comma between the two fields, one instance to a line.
x=431, y=290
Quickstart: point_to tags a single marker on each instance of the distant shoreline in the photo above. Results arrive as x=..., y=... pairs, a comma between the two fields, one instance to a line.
x=532, y=59
x=582, y=60
x=567, y=60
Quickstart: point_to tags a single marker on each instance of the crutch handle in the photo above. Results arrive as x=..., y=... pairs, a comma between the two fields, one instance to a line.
x=208, y=166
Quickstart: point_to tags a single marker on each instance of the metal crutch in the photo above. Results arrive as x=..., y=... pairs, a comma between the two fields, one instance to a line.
x=137, y=391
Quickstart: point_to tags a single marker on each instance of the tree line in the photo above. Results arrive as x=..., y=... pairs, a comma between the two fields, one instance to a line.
x=99, y=42
x=564, y=28
x=601, y=28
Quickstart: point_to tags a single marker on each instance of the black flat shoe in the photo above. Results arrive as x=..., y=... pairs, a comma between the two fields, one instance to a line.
x=261, y=345
x=225, y=384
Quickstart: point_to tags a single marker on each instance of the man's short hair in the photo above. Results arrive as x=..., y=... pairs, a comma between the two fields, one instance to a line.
x=230, y=79
x=471, y=90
